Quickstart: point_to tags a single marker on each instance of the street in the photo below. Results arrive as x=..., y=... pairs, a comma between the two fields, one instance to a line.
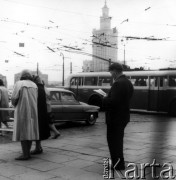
x=82, y=148
x=145, y=120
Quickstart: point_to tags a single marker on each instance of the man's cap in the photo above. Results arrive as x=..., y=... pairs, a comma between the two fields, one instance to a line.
x=116, y=66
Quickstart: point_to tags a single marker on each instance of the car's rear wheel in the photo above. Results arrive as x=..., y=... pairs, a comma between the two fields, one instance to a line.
x=91, y=119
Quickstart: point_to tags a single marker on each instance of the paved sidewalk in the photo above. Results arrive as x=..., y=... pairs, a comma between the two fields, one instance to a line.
x=78, y=155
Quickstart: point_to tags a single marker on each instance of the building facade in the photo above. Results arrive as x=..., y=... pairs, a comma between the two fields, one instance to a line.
x=104, y=43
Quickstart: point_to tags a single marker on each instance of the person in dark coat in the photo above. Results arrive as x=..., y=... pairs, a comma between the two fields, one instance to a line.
x=116, y=105
x=44, y=130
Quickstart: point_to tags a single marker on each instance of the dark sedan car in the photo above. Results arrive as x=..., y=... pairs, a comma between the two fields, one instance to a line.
x=65, y=107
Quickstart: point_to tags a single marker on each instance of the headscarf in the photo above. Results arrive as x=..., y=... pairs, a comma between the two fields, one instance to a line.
x=37, y=80
x=26, y=75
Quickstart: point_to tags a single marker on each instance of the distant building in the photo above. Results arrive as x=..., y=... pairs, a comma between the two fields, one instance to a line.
x=44, y=77
x=54, y=84
x=4, y=79
x=104, y=42
x=88, y=66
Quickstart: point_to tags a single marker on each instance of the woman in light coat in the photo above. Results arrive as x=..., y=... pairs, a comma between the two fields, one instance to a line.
x=24, y=99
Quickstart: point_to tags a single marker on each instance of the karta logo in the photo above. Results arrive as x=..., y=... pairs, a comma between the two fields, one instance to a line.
x=138, y=171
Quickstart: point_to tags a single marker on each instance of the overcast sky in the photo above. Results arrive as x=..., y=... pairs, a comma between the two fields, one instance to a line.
x=40, y=24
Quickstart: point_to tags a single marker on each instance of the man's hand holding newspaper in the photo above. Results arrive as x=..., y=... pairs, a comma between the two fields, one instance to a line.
x=100, y=91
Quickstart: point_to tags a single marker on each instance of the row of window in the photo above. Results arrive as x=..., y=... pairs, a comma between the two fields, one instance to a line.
x=91, y=81
x=136, y=81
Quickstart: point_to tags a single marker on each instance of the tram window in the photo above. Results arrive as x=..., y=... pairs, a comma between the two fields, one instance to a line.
x=163, y=81
x=172, y=81
x=153, y=82
x=80, y=81
x=76, y=81
x=104, y=81
x=73, y=82
x=139, y=80
x=90, y=81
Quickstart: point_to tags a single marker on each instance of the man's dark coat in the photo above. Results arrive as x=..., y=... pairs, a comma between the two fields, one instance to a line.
x=117, y=116
x=117, y=102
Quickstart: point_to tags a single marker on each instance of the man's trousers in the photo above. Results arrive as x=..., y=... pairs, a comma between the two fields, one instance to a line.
x=115, y=135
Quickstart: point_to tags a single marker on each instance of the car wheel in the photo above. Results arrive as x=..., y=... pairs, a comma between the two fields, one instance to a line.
x=172, y=110
x=91, y=119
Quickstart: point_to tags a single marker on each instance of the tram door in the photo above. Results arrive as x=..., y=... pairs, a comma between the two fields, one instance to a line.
x=158, y=93
x=153, y=93
x=75, y=84
x=162, y=93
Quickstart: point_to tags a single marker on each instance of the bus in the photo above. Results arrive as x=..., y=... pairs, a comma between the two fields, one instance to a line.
x=153, y=90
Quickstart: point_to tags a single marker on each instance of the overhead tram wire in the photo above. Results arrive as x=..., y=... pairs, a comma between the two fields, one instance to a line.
x=128, y=20
x=101, y=44
x=7, y=20
x=64, y=46
x=66, y=11
x=53, y=9
x=110, y=46
x=66, y=49
x=15, y=52
x=97, y=44
x=56, y=27
x=81, y=52
x=43, y=27
x=48, y=27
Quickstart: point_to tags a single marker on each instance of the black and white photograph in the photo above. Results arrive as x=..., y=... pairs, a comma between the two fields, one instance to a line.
x=87, y=89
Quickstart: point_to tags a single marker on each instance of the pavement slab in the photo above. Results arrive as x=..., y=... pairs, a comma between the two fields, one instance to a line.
x=78, y=154
x=67, y=172
x=33, y=175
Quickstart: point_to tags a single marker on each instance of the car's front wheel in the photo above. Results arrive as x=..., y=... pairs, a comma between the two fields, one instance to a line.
x=91, y=119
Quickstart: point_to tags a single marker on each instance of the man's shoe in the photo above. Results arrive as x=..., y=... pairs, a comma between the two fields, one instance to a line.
x=22, y=158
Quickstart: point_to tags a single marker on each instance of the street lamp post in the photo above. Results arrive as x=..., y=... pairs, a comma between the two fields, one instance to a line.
x=124, y=53
x=37, y=69
x=123, y=50
x=62, y=69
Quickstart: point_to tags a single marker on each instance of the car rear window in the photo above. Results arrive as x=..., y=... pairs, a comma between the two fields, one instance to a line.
x=55, y=96
x=65, y=96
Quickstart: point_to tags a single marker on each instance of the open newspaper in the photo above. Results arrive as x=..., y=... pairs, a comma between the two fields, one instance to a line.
x=100, y=91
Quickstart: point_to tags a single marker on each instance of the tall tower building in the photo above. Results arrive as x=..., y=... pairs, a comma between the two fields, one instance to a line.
x=104, y=42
